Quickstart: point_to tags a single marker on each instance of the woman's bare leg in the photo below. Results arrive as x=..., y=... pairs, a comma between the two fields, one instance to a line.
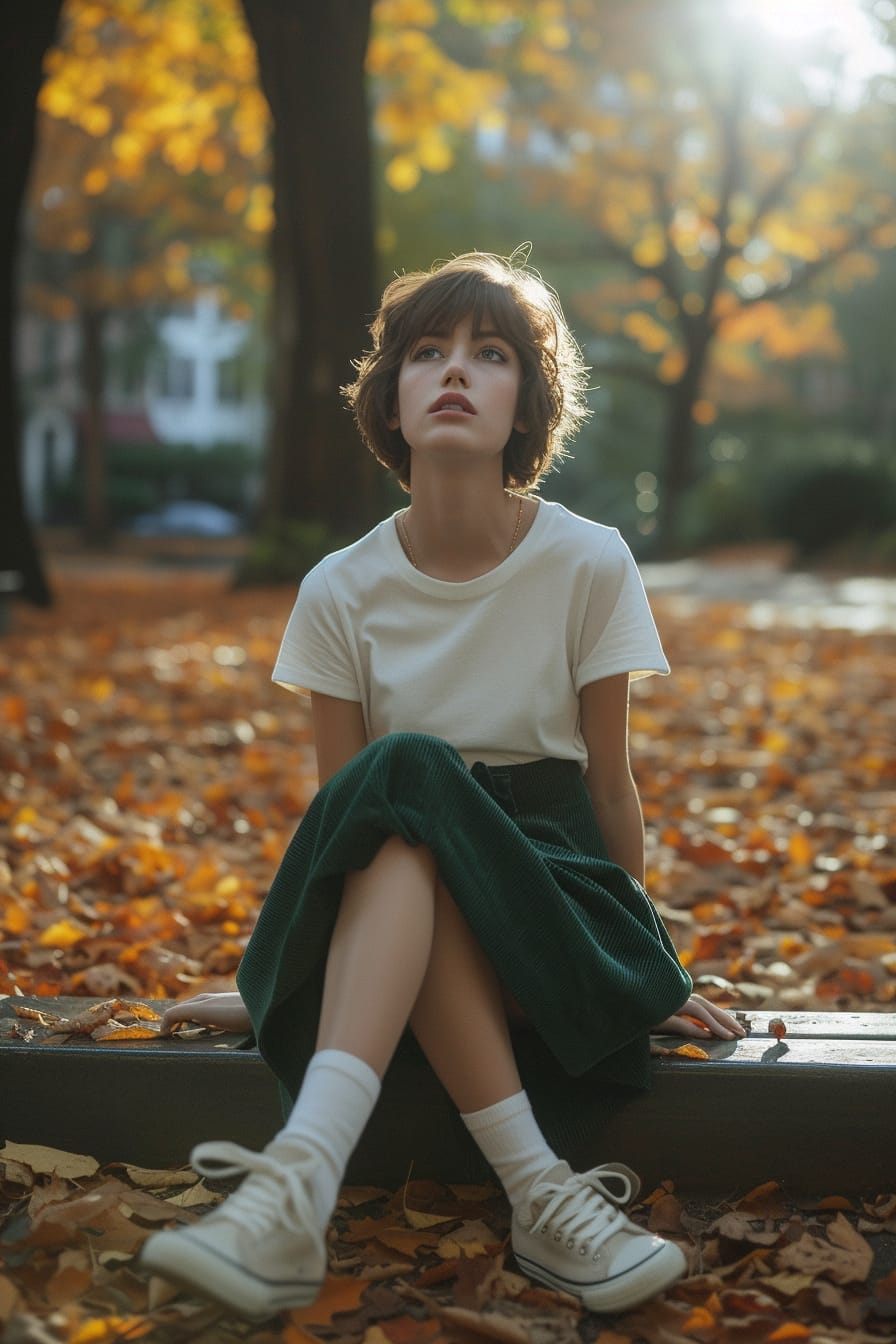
x=460, y=1018
x=379, y=952
x=402, y=953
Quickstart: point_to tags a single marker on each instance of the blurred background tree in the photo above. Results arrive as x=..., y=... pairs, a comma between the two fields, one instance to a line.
x=152, y=178
x=22, y=48
x=709, y=184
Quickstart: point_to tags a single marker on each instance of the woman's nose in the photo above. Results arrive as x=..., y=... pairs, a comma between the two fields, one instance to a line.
x=455, y=370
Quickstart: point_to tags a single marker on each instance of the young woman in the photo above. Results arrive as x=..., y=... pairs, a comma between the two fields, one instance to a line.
x=475, y=850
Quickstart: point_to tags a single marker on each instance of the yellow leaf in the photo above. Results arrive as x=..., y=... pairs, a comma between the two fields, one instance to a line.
x=196, y=1195
x=49, y=1161
x=64, y=933
x=424, y=1220
x=111, y=1328
x=402, y=173
x=148, y=1178
x=95, y=181
x=467, y=1241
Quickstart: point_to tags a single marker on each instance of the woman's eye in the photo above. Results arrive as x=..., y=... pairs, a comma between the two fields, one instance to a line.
x=491, y=353
x=427, y=352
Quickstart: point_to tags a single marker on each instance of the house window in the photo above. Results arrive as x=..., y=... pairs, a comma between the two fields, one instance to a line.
x=178, y=378
x=231, y=381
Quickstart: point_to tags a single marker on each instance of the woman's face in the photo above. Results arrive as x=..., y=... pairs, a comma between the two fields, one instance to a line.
x=458, y=393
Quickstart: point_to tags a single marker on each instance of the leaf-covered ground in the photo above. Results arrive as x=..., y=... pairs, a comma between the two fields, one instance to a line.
x=150, y=777
x=430, y=1263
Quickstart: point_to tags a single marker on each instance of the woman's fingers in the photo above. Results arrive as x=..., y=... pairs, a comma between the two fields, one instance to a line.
x=717, y=1019
x=699, y=1017
x=207, y=1010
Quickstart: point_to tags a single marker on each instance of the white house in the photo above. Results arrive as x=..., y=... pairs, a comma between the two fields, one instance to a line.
x=193, y=390
x=198, y=393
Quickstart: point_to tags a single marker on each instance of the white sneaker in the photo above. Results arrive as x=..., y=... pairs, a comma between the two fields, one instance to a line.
x=259, y=1252
x=572, y=1236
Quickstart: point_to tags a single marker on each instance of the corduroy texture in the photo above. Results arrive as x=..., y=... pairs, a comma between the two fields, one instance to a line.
x=572, y=936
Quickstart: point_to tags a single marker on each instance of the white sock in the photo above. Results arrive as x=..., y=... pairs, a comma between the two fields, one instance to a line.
x=511, y=1141
x=337, y=1096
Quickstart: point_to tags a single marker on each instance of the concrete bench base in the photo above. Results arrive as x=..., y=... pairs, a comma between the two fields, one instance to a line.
x=819, y=1116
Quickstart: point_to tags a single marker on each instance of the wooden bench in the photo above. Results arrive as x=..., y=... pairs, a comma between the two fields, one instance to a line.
x=816, y=1111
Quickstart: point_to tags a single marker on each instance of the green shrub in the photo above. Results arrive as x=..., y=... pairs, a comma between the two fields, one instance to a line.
x=721, y=509
x=818, y=507
x=142, y=477
x=283, y=552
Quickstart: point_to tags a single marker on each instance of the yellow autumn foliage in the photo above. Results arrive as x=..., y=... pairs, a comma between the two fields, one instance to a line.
x=784, y=332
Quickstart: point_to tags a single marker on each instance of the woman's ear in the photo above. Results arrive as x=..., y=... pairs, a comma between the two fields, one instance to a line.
x=394, y=421
x=521, y=425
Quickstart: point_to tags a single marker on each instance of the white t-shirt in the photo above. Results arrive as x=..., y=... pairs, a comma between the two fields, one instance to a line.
x=493, y=665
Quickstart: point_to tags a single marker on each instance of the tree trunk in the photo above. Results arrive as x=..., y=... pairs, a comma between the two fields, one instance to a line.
x=24, y=40
x=311, y=59
x=94, y=504
x=679, y=441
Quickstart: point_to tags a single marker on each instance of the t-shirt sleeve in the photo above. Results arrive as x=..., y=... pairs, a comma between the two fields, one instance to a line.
x=618, y=630
x=314, y=653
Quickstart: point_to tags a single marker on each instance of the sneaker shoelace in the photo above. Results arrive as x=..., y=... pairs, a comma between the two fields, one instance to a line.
x=272, y=1191
x=582, y=1209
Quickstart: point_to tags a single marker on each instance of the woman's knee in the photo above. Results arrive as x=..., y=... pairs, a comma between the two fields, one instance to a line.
x=396, y=849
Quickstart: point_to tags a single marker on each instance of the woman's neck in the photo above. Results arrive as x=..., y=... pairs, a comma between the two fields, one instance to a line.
x=459, y=530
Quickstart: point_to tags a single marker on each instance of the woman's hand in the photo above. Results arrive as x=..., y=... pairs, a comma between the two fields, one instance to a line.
x=710, y=1021
x=208, y=1010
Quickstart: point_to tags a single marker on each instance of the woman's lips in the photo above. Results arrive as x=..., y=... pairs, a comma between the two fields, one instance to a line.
x=452, y=401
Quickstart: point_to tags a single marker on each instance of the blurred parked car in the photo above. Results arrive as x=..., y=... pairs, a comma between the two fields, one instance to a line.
x=187, y=518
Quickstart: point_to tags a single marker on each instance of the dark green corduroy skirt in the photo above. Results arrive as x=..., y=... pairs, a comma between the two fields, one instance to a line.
x=571, y=935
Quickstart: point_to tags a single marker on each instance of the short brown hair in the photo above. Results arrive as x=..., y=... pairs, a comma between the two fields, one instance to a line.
x=503, y=293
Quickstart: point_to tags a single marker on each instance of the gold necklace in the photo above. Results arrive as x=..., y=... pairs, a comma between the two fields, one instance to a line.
x=409, y=550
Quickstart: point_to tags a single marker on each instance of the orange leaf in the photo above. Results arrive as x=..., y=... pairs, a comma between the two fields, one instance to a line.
x=296, y=1334
x=134, y=1032
x=140, y=1010
x=406, y=1241
x=761, y=1192
x=799, y=849
x=689, y=1051
x=886, y=1287
x=699, y=1319
x=790, y=1330
x=341, y=1292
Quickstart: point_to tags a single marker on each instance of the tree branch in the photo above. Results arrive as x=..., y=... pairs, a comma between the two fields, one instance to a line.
x=775, y=188
x=800, y=280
